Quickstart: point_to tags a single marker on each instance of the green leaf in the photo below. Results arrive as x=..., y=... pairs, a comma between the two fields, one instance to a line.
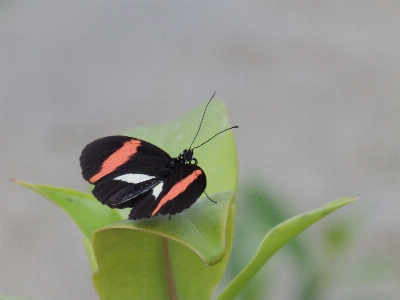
x=136, y=260
x=274, y=240
x=261, y=207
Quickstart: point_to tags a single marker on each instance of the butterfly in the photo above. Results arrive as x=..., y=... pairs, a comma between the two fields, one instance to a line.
x=130, y=172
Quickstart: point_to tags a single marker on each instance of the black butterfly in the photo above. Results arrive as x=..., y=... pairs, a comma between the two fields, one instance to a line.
x=129, y=172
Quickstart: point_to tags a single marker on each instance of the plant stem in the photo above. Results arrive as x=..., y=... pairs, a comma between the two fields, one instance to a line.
x=168, y=270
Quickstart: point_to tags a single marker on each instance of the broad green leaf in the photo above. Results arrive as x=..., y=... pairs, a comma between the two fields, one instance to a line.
x=142, y=259
x=274, y=240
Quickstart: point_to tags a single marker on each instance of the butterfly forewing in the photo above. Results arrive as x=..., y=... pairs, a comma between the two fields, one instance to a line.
x=123, y=169
x=121, y=194
x=112, y=156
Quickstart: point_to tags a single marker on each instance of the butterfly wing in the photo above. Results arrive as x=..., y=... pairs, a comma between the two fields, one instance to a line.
x=123, y=169
x=174, y=194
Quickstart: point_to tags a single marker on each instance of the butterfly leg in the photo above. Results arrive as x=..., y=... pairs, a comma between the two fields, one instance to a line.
x=209, y=198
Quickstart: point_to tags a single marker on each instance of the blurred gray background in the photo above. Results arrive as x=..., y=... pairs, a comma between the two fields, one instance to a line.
x=314, y=86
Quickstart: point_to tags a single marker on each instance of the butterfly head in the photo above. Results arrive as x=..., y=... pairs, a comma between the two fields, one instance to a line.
x=187, y=155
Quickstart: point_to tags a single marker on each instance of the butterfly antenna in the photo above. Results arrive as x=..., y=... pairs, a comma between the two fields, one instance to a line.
x=215, y=136
x=198, y=130
x=209, y=198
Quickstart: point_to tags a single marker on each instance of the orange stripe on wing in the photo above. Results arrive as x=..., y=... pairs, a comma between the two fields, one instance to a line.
x=177, y=189
x=118, y=158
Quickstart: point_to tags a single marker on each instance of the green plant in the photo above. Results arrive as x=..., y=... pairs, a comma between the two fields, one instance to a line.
x=312, y=259
x=183, y=257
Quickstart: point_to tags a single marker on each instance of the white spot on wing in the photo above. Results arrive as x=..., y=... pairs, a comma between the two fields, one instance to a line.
x=133, y=178
x=157, y=189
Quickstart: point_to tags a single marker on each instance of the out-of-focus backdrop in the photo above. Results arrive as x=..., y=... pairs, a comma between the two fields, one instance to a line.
x=314, y=86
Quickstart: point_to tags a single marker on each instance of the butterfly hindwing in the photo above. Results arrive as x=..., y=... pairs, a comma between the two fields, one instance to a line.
x=118, y=193
x=174, y=194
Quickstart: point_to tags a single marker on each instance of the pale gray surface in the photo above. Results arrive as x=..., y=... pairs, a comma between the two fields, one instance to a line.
x=314, y=87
